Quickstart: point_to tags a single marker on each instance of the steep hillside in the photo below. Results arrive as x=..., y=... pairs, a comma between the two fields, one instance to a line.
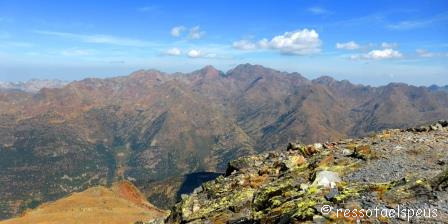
x=155, y=129
x=122, y=203
x=394, y=176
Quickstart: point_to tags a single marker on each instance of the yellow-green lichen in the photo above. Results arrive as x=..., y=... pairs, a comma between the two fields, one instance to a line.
x=348, y=192
x=191, y=210
x=305, y=209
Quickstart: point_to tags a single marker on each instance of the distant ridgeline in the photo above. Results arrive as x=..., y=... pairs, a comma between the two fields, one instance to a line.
x=156, y=129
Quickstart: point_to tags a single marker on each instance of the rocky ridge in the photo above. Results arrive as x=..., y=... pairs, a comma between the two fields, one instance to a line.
x=407, y=168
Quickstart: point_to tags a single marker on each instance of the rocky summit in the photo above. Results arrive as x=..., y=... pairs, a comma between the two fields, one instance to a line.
x=391, y=170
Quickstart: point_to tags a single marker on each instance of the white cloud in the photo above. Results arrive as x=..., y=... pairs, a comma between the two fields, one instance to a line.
x=352, y=45
x=177, y=31
x=318, y=10
x=98, y=38
x=379, y=55
x=263, y=43
x=194, y=53
x=299, y=42
x=173, y=51
x=196, y=33
x=389, y=45
x=244, y=45
x=384, y=54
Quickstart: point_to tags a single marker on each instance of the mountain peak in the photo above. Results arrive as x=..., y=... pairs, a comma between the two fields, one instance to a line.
x=325, y=80
x=146, y=74
x=250, y=69
x=208, y=72
x=209, y=69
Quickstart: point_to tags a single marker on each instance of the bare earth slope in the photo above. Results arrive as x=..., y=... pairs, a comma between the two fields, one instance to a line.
x=121, y=204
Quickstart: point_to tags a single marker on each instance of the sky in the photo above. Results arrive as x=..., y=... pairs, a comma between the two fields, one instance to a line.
x=366, y=42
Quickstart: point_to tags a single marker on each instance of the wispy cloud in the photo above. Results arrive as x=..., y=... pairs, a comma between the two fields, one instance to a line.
x=173, y=52
x=196, y=33
x=429, y=54
x=6, y=41
x=389, y=45
x=374, y=18
x=147, y=8
x=77, y=52
x=97, y=38
x=351, y=45
x=15, y=44
x=316, y=10
x=244, y=45
x=406, y=25
x=424, y=53
x=415, y=24
x=177, y=31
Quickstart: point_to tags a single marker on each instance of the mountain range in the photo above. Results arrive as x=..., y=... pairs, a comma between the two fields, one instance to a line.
x=157, y=129
x=31, y=86
x=438, y=88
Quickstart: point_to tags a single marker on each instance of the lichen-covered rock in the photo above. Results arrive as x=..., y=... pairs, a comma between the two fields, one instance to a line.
x=394, y=167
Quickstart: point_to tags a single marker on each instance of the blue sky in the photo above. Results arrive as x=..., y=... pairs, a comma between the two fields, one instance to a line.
x=368, y=42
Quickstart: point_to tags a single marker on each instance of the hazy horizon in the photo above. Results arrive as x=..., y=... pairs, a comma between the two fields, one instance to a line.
x=222, y=70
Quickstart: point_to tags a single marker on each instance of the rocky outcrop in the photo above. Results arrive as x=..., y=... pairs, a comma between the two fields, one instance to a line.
x=404, y=168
